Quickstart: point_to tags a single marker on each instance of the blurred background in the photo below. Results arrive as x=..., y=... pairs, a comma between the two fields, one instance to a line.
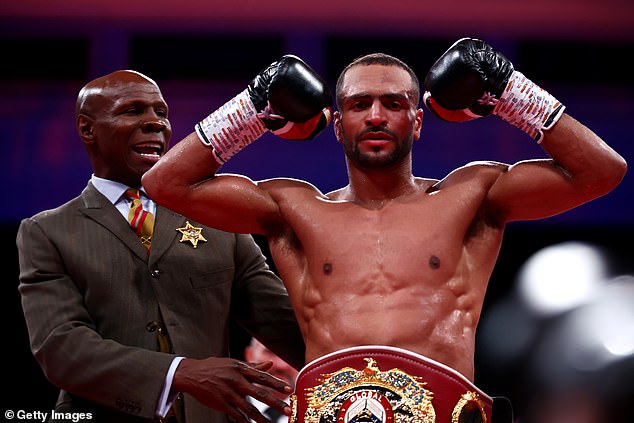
x=202, y=53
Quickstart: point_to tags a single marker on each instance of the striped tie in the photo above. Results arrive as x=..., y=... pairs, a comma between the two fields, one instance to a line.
x=142, y=221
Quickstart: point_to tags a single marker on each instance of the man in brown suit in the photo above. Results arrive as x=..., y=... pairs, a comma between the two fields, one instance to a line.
x=99, y=306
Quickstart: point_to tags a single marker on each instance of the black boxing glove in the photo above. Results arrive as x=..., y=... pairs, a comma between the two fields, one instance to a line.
x=287, y=98
x=471, y=80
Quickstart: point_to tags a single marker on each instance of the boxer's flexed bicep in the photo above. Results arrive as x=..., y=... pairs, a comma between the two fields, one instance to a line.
x=181, y=182
x=235, y=203
x=583, y=168
x=531, y=189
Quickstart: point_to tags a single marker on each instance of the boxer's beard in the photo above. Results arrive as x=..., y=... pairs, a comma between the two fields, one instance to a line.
x=378, y=161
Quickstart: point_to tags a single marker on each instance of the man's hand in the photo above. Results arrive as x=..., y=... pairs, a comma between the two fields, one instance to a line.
x=224, y=383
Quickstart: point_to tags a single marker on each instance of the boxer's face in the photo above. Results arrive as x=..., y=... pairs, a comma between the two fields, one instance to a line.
x=378, y=120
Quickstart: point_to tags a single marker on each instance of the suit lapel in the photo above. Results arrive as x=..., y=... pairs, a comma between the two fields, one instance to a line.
x=165, y=231
x=98, y=208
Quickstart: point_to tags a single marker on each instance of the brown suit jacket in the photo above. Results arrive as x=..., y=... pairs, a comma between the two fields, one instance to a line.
x=90, y=294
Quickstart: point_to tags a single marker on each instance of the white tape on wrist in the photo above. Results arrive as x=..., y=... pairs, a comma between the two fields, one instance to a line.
x=529, y=107
x=231, y=128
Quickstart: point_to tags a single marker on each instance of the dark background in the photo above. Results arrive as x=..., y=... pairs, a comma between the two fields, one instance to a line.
x=202, y=53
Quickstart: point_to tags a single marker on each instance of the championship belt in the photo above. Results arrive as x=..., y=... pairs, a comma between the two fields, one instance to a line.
x=379, y=384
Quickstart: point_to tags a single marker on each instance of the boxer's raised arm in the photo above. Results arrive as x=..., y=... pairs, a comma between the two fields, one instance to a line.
x=287, y=98
x=471, y=80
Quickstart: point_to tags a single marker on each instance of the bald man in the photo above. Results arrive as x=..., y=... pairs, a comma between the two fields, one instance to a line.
x=122, y=328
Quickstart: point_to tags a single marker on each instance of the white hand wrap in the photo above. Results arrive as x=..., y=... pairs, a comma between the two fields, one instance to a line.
x=527, y=106
x=231, y=128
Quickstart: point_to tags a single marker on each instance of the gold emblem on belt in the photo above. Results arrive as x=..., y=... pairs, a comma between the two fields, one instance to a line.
x=369, y=396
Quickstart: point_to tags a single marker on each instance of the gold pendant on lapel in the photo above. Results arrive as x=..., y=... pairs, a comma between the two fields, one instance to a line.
x=191, y=234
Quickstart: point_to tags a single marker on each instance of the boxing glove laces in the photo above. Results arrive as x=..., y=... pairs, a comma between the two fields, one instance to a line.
x=471, y=80
x=287, y=98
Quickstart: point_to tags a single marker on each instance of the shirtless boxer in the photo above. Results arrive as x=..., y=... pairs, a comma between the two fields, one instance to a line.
x=393, y=260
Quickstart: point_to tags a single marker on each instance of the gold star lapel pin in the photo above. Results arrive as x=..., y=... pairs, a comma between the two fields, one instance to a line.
x=191, y=234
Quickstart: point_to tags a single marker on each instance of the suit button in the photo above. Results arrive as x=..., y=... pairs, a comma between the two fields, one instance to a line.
x=155, y=326
x=155, y=273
